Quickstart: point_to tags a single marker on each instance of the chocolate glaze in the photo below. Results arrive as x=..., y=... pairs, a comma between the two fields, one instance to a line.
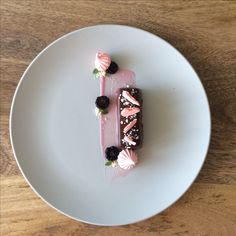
x=136, y=132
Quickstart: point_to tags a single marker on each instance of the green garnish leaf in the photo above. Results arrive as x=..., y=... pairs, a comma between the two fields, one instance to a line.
x=108, y=163
x=95, y=71
x=103, y=111
x=97, y=76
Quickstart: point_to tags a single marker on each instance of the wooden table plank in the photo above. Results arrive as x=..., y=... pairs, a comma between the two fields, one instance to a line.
x=203, y=208
x=205, y=32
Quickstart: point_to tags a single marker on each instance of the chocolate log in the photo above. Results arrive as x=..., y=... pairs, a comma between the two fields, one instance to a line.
x=130, y=118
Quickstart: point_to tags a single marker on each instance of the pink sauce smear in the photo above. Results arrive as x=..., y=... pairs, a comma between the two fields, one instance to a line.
x=109, y=130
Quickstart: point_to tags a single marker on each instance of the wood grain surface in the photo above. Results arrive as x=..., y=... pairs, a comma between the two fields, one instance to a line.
x=205, y=32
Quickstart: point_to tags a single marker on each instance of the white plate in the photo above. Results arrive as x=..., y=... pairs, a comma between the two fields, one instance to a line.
x=55, y=135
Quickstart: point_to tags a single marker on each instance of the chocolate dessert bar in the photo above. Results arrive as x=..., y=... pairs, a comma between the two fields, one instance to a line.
x=130, y=118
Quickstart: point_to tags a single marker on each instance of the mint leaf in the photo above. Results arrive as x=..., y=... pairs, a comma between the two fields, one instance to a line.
x=108, y=163
x=103, y=111
x=95, y=71
x=97, y=76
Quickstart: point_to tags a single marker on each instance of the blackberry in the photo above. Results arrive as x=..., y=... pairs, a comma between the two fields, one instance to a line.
x=102, y=102
x=112, y=153
x=113, y=68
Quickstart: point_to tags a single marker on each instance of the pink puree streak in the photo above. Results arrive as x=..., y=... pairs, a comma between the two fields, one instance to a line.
x=109, y=86
x=102, y=118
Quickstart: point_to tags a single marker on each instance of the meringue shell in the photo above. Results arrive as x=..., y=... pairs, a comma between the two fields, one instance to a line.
x=129, y=140
x=130, y=98
x=127, y=159
x=129, y=111
x=130, y=125
x=102, y=61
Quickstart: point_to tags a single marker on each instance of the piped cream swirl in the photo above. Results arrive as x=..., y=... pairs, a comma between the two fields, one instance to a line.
x=102, y=61
x=127, y=159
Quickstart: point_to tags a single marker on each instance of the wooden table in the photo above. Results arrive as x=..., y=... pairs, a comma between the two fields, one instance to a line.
x=205, y=32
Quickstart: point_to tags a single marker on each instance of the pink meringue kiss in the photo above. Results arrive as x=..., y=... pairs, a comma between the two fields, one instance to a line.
x=130, y=125
x=130, y=98
x=102, y=61
x=129, y=111
x=127, y=159
x=129, y=140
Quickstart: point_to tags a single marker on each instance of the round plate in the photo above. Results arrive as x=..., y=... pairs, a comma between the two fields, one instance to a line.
x=55, y=134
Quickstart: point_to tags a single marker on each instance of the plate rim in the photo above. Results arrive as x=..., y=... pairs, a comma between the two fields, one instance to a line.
x=21, y=80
